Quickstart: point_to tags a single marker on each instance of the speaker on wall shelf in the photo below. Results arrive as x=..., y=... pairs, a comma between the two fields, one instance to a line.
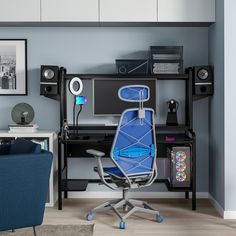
x=203, y=80
x=49, y=80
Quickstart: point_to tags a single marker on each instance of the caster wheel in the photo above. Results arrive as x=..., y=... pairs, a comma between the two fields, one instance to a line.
x=159, y=218
x=122, y=225
x=89, y=216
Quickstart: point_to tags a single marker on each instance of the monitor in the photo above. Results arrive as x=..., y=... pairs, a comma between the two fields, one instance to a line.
x=105, y=95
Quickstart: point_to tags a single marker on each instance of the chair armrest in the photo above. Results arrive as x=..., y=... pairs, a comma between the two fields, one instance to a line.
x=95, y=153
x=98, y=156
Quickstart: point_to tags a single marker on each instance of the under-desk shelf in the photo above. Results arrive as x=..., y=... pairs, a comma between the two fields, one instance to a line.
x=73, y=185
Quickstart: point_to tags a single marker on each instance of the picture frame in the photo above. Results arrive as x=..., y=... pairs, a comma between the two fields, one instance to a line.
x=13, y=67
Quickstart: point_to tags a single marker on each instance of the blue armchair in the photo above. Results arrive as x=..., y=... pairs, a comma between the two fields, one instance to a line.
x=24, y=178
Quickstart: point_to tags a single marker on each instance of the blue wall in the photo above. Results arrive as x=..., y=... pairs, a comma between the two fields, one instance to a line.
x=94, y=50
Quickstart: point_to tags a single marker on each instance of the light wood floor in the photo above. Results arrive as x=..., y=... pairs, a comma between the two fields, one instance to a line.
x=180, y=220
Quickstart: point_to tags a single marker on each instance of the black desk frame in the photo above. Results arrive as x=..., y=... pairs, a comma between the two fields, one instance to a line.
x=185, y=132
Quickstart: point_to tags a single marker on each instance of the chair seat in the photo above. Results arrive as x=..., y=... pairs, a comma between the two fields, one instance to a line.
x=113, y=171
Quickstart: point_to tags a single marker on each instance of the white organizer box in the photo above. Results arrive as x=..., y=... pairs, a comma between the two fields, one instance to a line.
x=51, y=144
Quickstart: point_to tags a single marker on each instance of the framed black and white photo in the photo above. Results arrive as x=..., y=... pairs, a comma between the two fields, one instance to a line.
x=13, y=67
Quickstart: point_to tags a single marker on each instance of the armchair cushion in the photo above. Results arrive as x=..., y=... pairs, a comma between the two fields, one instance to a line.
x=4, y=149
x=24, y=180
x=23, y=146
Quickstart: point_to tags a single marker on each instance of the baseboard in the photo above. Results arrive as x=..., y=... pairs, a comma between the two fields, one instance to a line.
x=227, y=215
x=114, y=194
x=230, y=215
x=217, y=206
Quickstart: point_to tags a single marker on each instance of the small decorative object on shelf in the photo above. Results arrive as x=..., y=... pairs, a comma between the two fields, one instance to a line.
x=13, y=67
x=172, y=119
x=22, y=114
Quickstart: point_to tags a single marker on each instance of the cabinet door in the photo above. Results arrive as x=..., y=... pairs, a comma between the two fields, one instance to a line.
x=186, y=10
x=128, y=10
x=69, y=10
x=19, y=10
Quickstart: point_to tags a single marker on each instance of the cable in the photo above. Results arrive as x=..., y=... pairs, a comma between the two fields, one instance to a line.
x=77, y=118
x=74, y=113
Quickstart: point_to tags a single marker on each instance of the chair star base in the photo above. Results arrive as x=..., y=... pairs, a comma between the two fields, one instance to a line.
x=130, y=206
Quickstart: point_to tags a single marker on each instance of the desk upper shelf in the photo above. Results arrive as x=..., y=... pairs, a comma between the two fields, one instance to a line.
x=128, y=76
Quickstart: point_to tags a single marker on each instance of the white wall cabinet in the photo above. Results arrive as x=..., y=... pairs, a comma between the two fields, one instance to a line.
x=107, y=11
x=186, y=10
x=19, y=10
x=128, y=10
x=69, y=10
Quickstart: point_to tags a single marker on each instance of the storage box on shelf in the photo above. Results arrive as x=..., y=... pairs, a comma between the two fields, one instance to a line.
x=166, y=59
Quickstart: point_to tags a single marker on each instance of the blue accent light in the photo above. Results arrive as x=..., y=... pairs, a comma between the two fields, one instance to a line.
x=153, y=150
x=135, y=152
x=116, y=154
x=81, y=100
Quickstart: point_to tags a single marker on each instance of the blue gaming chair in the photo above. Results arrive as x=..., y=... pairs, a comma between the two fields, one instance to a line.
x=133, y=154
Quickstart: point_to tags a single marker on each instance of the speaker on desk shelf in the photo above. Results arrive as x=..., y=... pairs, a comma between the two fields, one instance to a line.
x=203, y=80
x=49, y=80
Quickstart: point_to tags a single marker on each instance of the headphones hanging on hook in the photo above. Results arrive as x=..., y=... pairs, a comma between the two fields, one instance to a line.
x=72, y=87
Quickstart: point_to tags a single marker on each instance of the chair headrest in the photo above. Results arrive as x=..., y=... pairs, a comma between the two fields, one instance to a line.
x=134, y=93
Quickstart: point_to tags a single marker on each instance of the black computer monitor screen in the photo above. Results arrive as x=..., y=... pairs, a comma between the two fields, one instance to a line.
x=107, y=102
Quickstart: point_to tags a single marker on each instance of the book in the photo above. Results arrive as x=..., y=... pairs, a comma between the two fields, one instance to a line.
x=14, y=128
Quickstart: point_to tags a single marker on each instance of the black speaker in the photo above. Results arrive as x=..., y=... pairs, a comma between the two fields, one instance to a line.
x=203, y=80
x=49, y=80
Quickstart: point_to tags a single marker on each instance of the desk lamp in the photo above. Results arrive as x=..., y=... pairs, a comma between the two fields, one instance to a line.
x=76, y=88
